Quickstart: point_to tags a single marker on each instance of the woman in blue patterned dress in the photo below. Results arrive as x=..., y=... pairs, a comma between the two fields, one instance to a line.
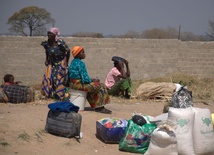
x=57, y=58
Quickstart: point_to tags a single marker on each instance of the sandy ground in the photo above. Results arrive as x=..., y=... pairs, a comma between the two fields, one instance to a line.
x=22, y=128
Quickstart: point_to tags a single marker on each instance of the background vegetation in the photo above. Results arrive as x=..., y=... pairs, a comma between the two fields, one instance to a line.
x=32, y=21
x=202, y=89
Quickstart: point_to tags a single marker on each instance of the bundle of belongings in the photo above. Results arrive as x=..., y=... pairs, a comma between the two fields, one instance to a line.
x=155, y=90
x=16, y=93
x=190, y=131
x=181, y=98
x=132, y=135
x=64, y=120
x=111, y=130
x=137, y=135
x=183, y=129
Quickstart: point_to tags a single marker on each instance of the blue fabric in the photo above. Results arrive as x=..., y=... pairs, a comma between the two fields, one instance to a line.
x=77, y=70
x=63, y=106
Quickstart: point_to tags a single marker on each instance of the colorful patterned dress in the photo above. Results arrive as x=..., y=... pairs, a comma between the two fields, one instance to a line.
x=97, y=93
x=56, y=55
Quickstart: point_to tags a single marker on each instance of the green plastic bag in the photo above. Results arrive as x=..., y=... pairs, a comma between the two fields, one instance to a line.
x=136, y=138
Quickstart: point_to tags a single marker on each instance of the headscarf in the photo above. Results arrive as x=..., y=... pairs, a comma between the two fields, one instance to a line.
x=76, y=50
x=55, y=31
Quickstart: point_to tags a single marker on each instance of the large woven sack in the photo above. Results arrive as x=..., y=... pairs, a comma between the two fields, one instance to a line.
x=150, y=90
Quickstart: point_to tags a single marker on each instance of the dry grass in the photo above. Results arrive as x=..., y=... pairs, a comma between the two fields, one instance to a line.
x=24, y=136
x=202, y=89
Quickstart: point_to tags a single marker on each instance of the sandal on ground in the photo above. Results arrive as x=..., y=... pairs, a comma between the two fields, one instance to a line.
x=103, y=110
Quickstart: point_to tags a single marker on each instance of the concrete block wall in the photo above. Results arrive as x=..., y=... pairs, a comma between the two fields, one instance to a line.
x=24, y=57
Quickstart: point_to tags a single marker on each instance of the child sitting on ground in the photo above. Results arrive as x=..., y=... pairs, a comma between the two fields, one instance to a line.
x=17, y=93
x=9, y=79
x=118, y=79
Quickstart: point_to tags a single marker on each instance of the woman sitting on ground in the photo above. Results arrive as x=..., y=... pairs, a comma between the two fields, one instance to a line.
x=118, y=80
x=97, y=93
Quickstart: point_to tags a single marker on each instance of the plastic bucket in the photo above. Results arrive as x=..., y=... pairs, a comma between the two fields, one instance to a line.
x=78, y=98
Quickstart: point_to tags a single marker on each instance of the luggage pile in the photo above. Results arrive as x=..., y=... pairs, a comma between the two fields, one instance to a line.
x=64, y=120
x=183, y=130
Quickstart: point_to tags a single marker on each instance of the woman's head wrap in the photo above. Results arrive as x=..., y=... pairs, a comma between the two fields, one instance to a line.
x=55, y=31
x=76, y=50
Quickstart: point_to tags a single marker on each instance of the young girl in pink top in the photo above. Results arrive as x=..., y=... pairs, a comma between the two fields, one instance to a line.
x=118, y=80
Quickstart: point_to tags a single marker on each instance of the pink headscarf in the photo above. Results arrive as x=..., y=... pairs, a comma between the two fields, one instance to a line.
x=55, y=31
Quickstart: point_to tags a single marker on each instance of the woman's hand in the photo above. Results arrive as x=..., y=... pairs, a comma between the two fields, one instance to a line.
x=126, y=62
x=64, y=62
x=46, y=62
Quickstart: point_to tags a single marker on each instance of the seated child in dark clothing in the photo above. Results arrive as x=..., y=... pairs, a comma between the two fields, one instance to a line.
x=9, y=79
x=17, y=93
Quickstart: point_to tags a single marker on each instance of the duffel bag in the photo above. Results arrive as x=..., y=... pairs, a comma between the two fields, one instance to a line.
x=65, y=124
x=19, y=93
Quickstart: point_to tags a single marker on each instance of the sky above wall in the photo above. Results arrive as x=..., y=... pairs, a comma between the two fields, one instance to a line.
x=116, y=17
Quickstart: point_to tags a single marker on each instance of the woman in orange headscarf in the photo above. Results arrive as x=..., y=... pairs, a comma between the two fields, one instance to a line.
x=97, y=93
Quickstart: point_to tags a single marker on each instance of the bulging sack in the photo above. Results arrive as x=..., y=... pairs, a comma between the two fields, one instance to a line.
x=19, y=93
x=163, y=140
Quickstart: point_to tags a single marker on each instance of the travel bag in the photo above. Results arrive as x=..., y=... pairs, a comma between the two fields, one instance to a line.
x=19, y=93
x=64, y=124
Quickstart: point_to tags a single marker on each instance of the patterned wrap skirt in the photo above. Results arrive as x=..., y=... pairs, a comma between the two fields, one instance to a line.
x=53, y=80
x=97, y=93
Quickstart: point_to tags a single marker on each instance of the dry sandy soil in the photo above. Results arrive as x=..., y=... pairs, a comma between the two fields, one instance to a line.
x=22, y=128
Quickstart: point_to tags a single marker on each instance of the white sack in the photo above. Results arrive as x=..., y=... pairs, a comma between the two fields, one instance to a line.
x=163, y=142
x=183, y=118
x=203, y=135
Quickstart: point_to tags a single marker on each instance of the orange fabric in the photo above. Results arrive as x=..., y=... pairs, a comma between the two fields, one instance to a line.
x=46, y=81
x=60, y=88
x=75, y=50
